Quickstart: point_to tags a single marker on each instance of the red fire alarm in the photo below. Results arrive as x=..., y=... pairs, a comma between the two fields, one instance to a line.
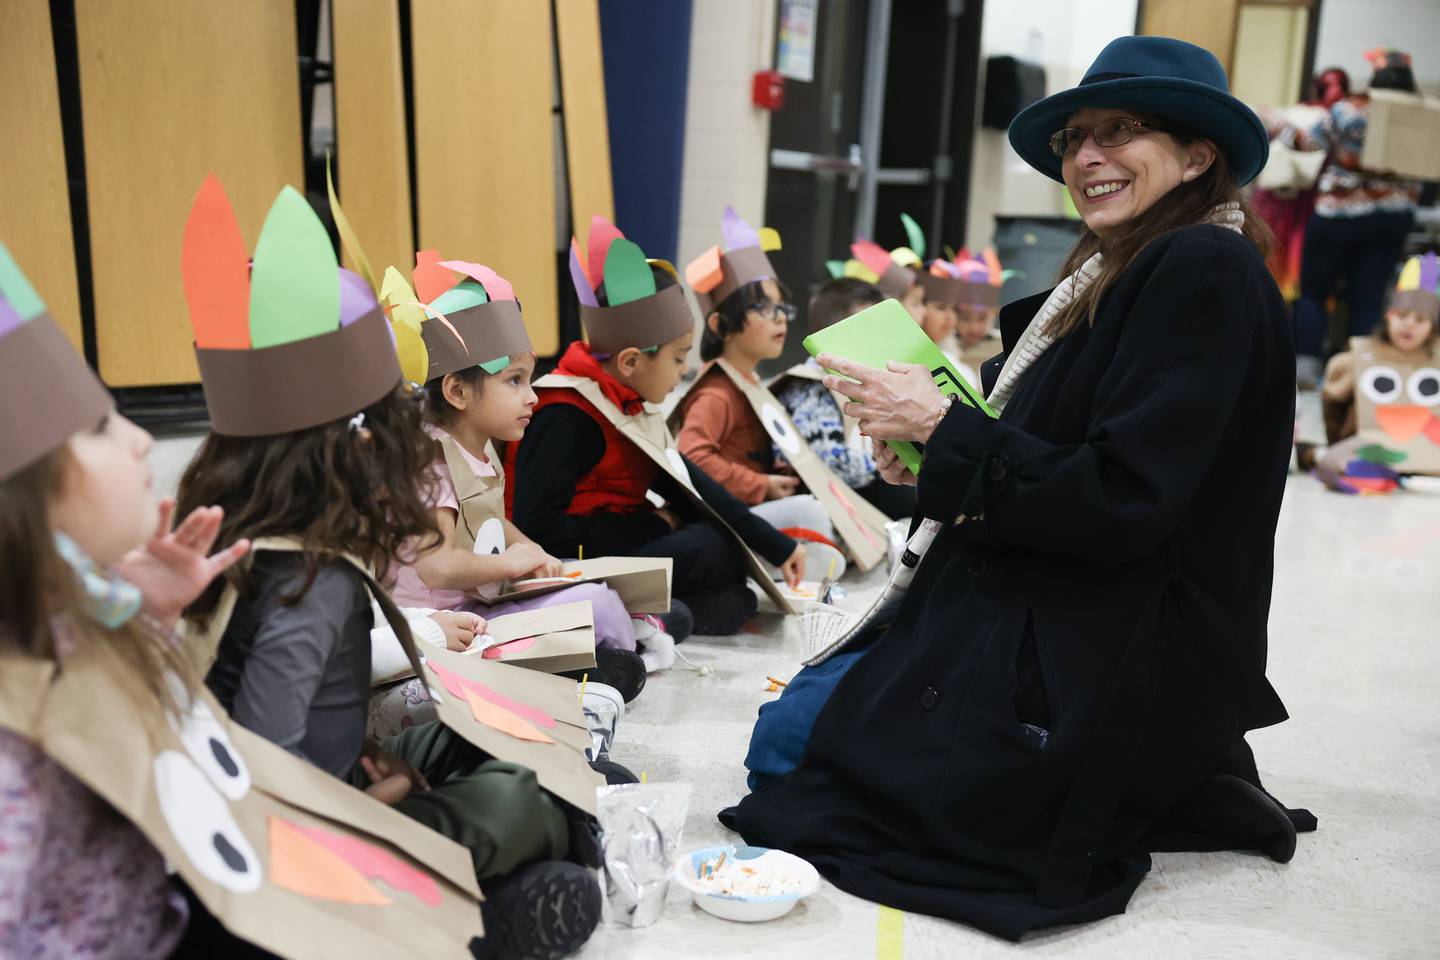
x=768, y=90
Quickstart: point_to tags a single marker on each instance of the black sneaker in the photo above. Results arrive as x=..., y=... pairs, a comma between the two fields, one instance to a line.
x=679, y=622
x=724, y=612
x=621, y=669
x=541, y=912
x=1228, y=813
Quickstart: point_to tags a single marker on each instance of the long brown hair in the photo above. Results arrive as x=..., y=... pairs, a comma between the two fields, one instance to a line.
x=43, y=597
x=1185, y=205
x=336, y=488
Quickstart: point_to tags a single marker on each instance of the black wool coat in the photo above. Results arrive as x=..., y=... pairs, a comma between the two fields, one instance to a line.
x=1088, y=644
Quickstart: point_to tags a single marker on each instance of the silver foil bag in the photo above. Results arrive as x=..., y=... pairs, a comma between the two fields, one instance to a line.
x=641, y=825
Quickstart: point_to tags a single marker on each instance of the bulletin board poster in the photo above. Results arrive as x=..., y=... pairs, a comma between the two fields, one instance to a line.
x=795, y=58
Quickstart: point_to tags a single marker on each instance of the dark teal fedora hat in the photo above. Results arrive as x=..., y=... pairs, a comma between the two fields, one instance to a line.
x=1160, y=77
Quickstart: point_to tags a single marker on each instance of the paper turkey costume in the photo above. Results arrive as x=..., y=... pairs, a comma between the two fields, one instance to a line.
x=1397, y=399
x=282, y=854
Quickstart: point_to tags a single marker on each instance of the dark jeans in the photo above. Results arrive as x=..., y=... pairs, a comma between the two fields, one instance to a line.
x=706, y=559
x=1364, y=250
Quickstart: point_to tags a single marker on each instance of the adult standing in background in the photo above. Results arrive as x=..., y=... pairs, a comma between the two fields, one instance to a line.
x=1360, y=223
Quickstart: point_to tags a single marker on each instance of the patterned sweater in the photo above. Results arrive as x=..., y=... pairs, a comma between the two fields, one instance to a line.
x=819, y=421
x=1345, y=190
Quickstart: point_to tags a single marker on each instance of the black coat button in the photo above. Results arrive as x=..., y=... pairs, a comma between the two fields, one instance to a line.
x=976, y=565
x=929, y=698
x=996, y=470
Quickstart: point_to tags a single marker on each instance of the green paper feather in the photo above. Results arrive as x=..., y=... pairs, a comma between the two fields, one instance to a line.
x=836, y=268
x=627, y=275
x=294, y=281
x=1376, y=453
x=462, y=296
x=493, y=367
x=15, y=288
x=913, y=233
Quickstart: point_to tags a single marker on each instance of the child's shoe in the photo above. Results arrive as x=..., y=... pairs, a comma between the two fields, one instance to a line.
x=621, y=669
x=724, y=612
x=604, y=707
x=678, y=622
x=657, y=647
x=541, y=912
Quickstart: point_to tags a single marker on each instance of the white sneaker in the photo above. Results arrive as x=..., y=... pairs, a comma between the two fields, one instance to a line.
x=656, y=647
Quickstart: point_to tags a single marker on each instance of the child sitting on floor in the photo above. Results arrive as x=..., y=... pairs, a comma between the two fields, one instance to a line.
x=1378, y=397
x=581, y=476
x=77, y=514
x=747, y=318
x=478, y=394
x=817, y=412
x=329, y=468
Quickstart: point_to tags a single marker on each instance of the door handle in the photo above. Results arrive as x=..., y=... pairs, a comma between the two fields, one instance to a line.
x=850, y=165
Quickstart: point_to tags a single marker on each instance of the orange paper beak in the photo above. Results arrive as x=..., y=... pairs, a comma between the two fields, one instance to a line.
x=1403, y=422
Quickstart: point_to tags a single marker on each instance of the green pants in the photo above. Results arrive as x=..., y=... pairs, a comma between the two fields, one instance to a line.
x=494, y=809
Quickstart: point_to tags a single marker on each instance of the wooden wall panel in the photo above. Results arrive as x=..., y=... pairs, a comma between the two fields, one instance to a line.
x=484, y=144
x=34, y=194
x=373, y=169
x=1211, y=24
x=172, y=90
x=587, y=134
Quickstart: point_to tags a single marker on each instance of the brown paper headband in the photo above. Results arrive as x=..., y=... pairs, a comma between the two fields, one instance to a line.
x=896, y=281
x=47, y=393
x=306, y=383
x=490, y=331
x=648, y=322
x=740, y=267
x=953, y=290
x=1423, y=302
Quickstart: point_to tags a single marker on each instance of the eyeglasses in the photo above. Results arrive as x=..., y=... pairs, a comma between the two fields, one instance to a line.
x=1115, y=132
x=769, y=309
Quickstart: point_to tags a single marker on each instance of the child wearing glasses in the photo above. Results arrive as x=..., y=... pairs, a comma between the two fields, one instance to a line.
x=721, y=433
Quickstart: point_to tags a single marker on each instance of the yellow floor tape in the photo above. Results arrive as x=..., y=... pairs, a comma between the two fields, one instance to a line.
x=890, y=934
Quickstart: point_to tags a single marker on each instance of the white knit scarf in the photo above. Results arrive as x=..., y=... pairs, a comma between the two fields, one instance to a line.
x=1035, y=341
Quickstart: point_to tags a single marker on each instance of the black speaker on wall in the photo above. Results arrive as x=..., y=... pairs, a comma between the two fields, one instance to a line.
x=1011, y=85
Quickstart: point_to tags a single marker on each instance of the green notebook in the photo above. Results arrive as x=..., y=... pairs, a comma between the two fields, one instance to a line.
x=887, y=332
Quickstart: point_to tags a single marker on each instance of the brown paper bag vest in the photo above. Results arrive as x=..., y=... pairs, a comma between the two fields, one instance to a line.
x=560, y=765
x=643, y=583
x=284, y=855
x=1397, y=404
x=647, y=431
x=860, y=525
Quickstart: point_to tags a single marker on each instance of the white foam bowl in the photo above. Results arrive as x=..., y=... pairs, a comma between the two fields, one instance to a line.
x=766, y=862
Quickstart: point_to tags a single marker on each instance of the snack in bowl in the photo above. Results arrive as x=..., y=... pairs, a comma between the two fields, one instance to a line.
x=747, y=884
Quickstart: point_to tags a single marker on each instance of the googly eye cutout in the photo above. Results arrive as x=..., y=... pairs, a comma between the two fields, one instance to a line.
x=780, y=429
x=208, y=743
x=1381, y=384
x=202, y=825
x=490, y=538
x=1424, y=387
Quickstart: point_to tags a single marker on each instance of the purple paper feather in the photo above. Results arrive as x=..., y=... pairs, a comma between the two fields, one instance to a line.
x=1429, y=272
x=9, y=317
x=577, y=277
x=356, y=297
x=736, y=233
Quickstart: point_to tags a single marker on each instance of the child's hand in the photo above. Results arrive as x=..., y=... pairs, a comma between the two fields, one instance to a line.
x=778, y=486
x=460, y=628
x=794, y=569
x=391, y=779
x=668, y=515
x=176, y=566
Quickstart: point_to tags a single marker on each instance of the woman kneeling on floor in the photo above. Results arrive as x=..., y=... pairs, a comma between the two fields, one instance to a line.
x=1068, y=682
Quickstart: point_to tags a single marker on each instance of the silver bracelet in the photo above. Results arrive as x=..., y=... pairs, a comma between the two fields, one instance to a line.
x=946, y=402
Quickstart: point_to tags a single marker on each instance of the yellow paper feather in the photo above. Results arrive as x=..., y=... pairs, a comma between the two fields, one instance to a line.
x=769, y=239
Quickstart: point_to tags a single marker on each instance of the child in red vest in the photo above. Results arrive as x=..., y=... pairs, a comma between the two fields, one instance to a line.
x=589, y=470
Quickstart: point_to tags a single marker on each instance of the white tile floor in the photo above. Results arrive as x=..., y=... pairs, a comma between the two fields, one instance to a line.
x=1354, y=652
